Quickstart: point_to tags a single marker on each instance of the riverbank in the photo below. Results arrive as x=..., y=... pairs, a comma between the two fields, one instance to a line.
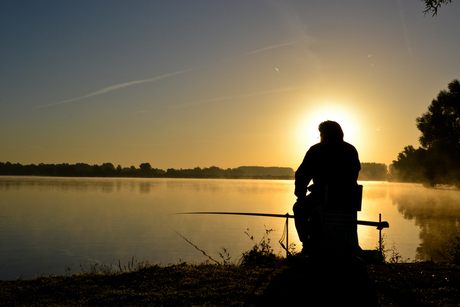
x=408, y=284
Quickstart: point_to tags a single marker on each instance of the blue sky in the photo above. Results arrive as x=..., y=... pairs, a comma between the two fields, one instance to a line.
x=227, y=83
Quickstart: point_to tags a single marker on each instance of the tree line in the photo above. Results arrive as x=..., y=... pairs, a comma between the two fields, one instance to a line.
x=369, y=171
x=144, y=170
x=437, y=160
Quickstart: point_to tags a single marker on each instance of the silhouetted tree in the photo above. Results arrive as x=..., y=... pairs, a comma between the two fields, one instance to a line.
x=171, y=172
x=440, y=128
x=410, y=165
x=432, y=6
x=146, y=169
x=108, y=169
x=438, y=160
x=373, y=171
x=83, y=170
x=97, y=170
x=261, y=172
x=213, y=172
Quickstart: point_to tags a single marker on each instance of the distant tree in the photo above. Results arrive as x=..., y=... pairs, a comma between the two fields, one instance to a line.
x=373, y=171
x=432, y=6
x=410, y=165
x=83, y=169
x=260, y=171
x=171, y=172
x=97, y=170
x=65, y=170
x=440, y=128
x=213, y=172
x=146, y=169
x=438, y=160
x=108, y=169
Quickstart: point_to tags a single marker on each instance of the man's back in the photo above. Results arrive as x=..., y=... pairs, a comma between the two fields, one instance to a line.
x=333, y=163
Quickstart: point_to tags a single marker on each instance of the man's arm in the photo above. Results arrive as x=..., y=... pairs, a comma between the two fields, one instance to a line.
x=303, y=177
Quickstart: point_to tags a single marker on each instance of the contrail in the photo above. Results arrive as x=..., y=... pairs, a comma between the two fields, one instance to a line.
x=222, y=98
x=126, y=84
x=267, y=48
x=115, y=87
x=403, y=24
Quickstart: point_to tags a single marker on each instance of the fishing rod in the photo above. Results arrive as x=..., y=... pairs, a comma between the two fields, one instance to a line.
x=287, y=216
x=380, y=225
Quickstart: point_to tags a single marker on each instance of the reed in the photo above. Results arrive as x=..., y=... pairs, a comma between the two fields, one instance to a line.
x=261, y=254
x=390, y=253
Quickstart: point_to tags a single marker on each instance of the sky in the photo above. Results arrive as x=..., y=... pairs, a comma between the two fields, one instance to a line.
x=185, y=84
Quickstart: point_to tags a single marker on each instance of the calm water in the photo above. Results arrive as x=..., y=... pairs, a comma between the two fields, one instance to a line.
x=53, y=225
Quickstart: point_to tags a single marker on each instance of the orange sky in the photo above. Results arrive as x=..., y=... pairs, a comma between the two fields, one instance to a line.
x=222, y=83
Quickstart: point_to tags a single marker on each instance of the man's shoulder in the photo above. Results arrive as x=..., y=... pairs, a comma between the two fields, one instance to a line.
x=320, y=145
x=349, y=145
x=315, y=148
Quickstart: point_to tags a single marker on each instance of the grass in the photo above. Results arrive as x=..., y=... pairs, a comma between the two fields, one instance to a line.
x=391, y=254
x=259, y=279
x=175, y=285
x=402, y=284
x=261, y=254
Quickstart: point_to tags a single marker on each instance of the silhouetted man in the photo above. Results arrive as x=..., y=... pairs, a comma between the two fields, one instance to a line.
x=333, y=165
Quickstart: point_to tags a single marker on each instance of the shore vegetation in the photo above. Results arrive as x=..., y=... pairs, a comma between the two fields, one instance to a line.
x=259, y=278
x=369, y=171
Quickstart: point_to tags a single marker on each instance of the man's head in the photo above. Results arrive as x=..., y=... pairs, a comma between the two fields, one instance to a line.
x=330, y=130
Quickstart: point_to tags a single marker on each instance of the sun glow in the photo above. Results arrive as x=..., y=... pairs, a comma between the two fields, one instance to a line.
x=345, y=116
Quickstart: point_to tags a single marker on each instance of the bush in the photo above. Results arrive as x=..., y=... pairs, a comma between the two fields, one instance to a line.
x=261, y=254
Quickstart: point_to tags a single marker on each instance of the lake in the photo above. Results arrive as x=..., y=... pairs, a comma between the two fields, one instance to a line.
x=52, y=225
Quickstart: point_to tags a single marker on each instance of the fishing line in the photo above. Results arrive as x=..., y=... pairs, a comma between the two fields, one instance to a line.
x=283, y=236
x=204, y=253
x=287, y=216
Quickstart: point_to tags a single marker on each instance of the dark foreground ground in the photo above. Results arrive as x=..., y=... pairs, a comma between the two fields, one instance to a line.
x=295, y=283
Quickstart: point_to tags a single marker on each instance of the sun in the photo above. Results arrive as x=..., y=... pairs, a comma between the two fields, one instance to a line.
x=344, y=115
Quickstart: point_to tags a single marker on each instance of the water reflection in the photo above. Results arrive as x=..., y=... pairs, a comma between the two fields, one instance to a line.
x=435, y=211
x=10, y=183
x=48, y=224
x=54, y=223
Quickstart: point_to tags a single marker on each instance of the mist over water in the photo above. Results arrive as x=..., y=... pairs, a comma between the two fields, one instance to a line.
x=48, y=224
x=435, y=211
